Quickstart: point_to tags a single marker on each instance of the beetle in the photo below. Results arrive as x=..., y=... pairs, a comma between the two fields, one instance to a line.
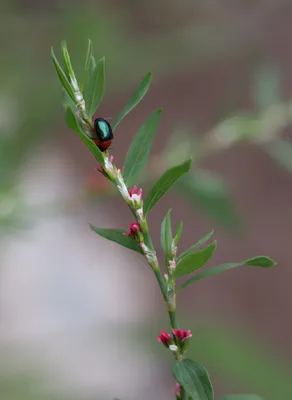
x=104, y=134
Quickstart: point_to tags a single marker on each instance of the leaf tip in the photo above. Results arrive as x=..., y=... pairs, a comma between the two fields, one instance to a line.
x=272, y=262
x=64, y=45
x=189, y=163
x=149, y=76
x=261, y=261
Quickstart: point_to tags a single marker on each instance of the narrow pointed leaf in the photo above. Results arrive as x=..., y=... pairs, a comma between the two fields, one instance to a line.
x=72, y=122
x=93, y=92
x=194, y=261
x=166, y=236
x=87, y=64
x=164, y=183
x=199, y=243
x=139, y=151
x=62, y=77
x=91, y=66
x=261, y=261
x=135, y=99
x=264, y=262
x=194, y=378
x=117, y=236
x=178, y=232
x=88, y=77
x=241, y=397
x=67, y=62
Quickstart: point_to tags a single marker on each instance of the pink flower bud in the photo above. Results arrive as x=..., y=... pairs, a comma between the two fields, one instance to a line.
x=164, y=338
x=135, y=194
x=111, y=158
x=133, y=190
x=177, y=390
x=181, y=334
x=133, y=229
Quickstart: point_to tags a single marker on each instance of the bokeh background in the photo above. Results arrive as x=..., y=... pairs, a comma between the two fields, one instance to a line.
x=78, y=315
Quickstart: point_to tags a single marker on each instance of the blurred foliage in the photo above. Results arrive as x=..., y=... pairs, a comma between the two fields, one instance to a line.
x=242, y=360
x=238, y=360
x=25, y=121
x=28, y=114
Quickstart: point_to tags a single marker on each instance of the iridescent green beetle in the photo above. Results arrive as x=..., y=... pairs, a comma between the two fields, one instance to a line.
x=104, y=134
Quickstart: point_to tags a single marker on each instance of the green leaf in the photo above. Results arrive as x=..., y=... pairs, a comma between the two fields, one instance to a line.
x=87, y=71
x=194, y=261
x=178, y=233
x=194, y=378
x=166, y=236
x=209, y=191
x=264, y=262
x=72, y=122
x=164, y=183
x=117, y=236
x=90, y=70
x=62, y=76
x=261, y=261
x=140, y=148
x=92, y=65
x=241, y=397
x=93, y=92
x=67, y=62
x=135, y=99
x=199, y=243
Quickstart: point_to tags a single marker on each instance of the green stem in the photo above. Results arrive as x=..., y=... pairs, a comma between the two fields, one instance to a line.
x=161, y=283
x=183, y=394
x=169, y=298
x=173, y=320
x=148, y=241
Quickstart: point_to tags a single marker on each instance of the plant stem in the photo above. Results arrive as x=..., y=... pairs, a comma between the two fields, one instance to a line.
x=166, y=287
x=161, y=283
x=173, y=320
x=183, y=394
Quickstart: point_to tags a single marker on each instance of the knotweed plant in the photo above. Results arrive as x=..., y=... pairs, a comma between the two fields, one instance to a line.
x=83, y=99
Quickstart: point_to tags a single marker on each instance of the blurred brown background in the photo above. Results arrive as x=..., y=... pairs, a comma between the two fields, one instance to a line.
x=79, y=316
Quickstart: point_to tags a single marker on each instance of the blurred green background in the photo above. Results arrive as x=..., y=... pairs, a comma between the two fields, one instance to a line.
x=79, y=316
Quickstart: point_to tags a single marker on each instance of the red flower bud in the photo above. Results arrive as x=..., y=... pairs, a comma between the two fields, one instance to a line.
x=164, y=338
x=134, y=228
x=181, y=334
